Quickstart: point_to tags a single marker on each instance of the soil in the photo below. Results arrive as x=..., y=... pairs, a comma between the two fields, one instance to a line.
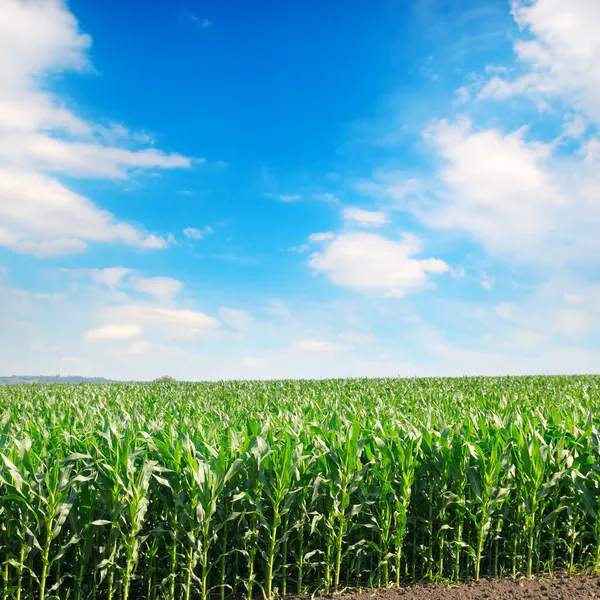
x=560, y=587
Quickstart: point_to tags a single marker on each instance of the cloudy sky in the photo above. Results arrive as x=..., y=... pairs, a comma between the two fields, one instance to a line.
x=224, y=189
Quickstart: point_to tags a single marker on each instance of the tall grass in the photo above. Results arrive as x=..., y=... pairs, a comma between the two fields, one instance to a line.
x=180, y=491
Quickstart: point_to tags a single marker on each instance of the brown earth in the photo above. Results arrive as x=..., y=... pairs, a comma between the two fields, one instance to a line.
x=560, y=587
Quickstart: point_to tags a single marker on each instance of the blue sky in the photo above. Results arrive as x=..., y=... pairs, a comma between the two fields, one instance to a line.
x=230, y=190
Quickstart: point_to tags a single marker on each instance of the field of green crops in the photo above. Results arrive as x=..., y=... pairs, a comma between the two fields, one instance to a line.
x=258, y=489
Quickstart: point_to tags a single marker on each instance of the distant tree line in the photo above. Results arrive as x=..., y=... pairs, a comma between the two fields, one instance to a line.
x=17, y=379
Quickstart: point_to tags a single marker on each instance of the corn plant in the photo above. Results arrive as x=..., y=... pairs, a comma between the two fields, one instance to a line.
x=186, y=490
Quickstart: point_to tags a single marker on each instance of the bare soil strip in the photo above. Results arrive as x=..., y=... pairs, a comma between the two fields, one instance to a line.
x=560, y=587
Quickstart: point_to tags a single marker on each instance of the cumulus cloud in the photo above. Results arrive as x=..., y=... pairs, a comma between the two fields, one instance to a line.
x=174, y=323
x=41, y=138
x=498, y=187
x=42, y=249
x=111, y=277
x=114, y=331
x=513, y=196
x=156, y=241
x=161, y=288
x=371, y=263
x=560, y=54
x=366, y=218
x=42, y=217
x=524, y=198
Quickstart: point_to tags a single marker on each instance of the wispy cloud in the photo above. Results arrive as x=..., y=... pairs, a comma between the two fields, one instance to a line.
x=560, y=55
x=373, y=264
x=199, y=22
x=41, y=140
x=285, y=197
x=193, y=233
x=366, y=218
x=321, y=236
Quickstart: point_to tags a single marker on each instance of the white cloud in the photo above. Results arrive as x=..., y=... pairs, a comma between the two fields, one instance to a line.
x=299, y=249
x=111, y=277
x=162, y=288
x=174, y=323
x=80, y=159
x=145, y=349
x=139, y=347
x=544, y=314
x=278, y=307
x=507, y=311
x=154, y=241
x=318, y=341
x=253, y=362
x=310, y=346
x=239, y=320
x=572, y=298
x=285, y=197
x=371, y=263
x=490, y=174
x=394, y=186
x=42, y=217
x=574, y=126
x=321, y=237
x=39, y=135
x=114, y=331
x=524, y=199
x=192, y=233
x=367, y=218
x=561, y=54
x=572, y=322
x=43, y=36
x=458, y=272
x=514, y=197
x=197, y=234
x=46, y=249
x=487, y=282
x=522, y=338
x=462, y=95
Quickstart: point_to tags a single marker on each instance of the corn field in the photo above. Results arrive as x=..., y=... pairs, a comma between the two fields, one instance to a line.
x=260, y=489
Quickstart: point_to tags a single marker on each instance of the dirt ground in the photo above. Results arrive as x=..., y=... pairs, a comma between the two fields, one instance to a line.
x=561, y=587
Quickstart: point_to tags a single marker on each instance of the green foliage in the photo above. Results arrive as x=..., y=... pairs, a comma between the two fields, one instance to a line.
x=173, y=490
